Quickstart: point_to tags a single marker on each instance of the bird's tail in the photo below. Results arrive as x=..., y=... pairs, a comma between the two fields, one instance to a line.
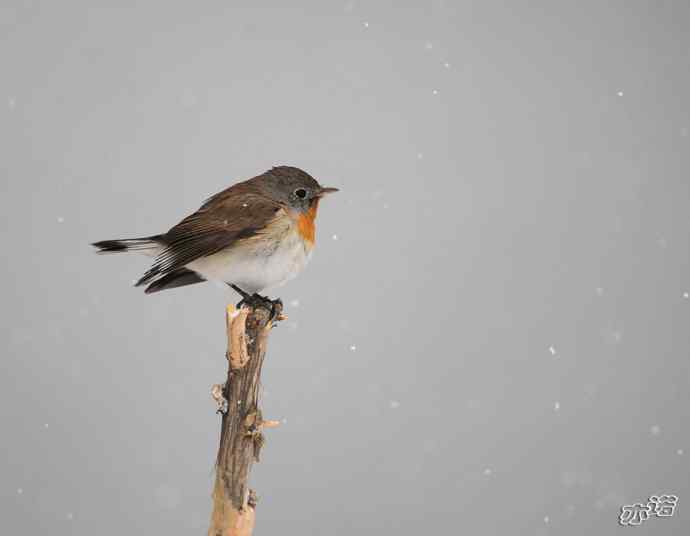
x=148, y=246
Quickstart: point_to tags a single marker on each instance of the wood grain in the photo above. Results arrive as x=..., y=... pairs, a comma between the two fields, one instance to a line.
x=241, y=435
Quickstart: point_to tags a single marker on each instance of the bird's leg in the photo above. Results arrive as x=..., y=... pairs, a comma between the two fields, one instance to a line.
x=246, y=298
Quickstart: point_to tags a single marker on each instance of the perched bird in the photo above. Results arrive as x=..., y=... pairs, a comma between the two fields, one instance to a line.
x=254, y=235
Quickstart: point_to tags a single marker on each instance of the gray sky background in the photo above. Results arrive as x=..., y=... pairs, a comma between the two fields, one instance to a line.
x=492, y=335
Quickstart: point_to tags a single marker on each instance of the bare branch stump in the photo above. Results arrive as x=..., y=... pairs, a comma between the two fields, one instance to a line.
x=240, y=436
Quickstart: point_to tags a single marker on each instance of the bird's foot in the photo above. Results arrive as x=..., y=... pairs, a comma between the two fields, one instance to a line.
x=274, y=307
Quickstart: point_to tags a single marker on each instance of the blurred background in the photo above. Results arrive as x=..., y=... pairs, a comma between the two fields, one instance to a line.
x=492, y=335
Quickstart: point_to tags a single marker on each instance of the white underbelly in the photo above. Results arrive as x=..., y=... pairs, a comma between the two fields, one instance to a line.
x=255, y=264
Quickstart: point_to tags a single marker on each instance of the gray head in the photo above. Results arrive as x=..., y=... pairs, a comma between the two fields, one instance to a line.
x=293, y=187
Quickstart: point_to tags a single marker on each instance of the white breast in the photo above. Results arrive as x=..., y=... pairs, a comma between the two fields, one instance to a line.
x=258, y=263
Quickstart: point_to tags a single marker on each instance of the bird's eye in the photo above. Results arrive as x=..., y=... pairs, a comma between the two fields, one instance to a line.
x=301, y=193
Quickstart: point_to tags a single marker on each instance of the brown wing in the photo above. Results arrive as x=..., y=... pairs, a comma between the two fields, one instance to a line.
x=234, y=214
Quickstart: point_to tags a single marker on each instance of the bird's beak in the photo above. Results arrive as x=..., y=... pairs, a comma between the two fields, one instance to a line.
x=327, y=190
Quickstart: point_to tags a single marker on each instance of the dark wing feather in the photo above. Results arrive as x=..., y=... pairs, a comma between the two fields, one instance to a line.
x=178, y=278
x=235, y=214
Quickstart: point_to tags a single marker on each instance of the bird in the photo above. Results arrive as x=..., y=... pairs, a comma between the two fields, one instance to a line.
x=253, y=236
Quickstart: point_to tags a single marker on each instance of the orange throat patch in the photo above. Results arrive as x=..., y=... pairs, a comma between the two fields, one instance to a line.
x=305, y=223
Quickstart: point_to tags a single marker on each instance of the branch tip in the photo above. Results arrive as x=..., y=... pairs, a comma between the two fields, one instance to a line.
x=270, y=424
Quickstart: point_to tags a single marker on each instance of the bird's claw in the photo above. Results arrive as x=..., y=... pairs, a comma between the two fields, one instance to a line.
x=257, y=300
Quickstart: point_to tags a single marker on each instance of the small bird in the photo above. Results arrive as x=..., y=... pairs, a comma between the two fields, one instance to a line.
x=254, y=235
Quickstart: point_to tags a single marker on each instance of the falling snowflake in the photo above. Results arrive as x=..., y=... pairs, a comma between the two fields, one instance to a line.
x=686, y=295
x=546, y=519
x=679, y=452
x=366, y=24
x=655, y=430
x=556, y=406
x=353, y=348
x=60, y=219
x=552, y=350
x=620, y=93
x=420, y=156
x=428, y=45
x=600, y=291
x=11, y=103
x=613, y=336
x=20, y=491
x=294, y=303
x=335, y=237
x=435, y=91
x=487, y=471
x=394, y=404
x=446, y=65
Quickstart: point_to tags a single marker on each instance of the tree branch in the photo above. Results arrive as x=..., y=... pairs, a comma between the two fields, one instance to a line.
x=240, y=437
